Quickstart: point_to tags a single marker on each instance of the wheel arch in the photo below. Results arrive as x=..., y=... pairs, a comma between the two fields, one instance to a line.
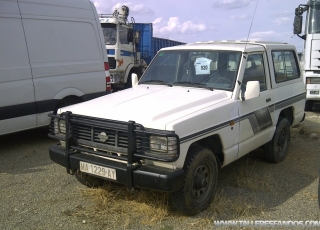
x=68, y=100
x=68, y=92
x=213, y=143
x=131, y=70
x=127, y=72
x=287, y=113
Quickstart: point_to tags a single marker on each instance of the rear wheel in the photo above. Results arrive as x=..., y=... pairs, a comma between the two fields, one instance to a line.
x=308, y=106
x=201, y=173
x=276, y=150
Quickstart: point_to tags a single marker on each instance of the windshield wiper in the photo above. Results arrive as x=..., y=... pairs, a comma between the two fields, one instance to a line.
x=189, y=83
x=157, y=82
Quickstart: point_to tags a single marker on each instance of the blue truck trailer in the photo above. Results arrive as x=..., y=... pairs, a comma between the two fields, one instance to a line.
x=148, y=45
x=130, y=46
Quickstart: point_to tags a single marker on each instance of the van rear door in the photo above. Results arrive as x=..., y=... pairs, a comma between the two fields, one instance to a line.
x=64, y=50
x=17, y=101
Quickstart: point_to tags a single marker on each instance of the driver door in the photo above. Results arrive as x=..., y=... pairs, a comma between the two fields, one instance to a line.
x=256, y=114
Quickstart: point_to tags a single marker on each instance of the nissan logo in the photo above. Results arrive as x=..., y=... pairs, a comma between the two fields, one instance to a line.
x=103, y=137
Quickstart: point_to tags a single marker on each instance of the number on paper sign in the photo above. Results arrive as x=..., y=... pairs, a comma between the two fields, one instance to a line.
x=202, y=66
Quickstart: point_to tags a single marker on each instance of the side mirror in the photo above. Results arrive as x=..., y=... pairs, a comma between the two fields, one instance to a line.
x=130, y=35
x=134, y=79
x=137, y=37
x=252, y=90
x=297, y=25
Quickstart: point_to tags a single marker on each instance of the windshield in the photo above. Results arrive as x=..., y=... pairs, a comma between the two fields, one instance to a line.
x=212, y=69
x=314, y=19
x=109, y=33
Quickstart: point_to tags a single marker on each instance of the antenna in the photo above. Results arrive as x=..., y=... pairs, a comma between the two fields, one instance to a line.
x=251, y=25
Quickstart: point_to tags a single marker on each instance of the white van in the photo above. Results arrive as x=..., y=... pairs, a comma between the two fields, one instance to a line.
x=52, y=54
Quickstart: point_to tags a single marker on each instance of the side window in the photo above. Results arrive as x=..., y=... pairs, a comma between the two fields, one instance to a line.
x=123, y=33
x=285, y=66
x=254, y=71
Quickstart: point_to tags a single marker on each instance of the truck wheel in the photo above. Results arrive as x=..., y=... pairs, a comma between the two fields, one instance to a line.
x=128, y=84
x=276, y=150
x=89, y=181
x=308, y=106
x=201, y=173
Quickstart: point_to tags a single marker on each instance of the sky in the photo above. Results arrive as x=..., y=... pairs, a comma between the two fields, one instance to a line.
x=207, y=20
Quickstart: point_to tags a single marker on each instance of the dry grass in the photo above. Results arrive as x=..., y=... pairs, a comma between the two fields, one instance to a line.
x=235, y=207
x=247, y=177
x=116, y=208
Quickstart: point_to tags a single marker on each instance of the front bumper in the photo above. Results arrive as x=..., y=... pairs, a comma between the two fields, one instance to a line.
x=149, y=177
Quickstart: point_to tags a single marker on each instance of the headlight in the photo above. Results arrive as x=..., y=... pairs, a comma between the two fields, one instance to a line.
x=163, y=144
x=313, y=80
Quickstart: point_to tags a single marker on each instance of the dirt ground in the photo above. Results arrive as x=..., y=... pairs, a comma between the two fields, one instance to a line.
x=35, y=193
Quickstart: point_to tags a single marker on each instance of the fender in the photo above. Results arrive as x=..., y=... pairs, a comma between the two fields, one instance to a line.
x=68, y=92
x=128, y=69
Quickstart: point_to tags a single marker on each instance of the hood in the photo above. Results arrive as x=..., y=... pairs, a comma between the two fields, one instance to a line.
x=149, y=105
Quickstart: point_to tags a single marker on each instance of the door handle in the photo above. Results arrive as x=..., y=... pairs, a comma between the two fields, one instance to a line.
x=268, y=99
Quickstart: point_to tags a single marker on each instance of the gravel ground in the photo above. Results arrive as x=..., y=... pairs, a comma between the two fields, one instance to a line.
x=35, y=193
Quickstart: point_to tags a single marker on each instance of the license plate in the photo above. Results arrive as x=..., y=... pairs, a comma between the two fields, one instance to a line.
x=314, y=92
x=98, y=170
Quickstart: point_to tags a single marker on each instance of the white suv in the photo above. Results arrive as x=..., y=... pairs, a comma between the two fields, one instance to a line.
x=196, y=108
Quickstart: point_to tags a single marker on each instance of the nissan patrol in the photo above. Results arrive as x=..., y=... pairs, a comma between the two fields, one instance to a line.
x=196, y=108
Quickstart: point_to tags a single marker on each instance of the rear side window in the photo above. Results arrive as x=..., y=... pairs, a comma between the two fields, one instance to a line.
x=285, y=64
x=254, y=71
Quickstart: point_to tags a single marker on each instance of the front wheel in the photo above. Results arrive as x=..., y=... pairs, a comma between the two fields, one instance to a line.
x=201, y=173
x=276, y=150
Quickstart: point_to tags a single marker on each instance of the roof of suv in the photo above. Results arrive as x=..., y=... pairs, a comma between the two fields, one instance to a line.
x=248, y=46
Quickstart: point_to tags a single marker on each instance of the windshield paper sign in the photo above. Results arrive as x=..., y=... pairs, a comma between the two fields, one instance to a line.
x=202, y=66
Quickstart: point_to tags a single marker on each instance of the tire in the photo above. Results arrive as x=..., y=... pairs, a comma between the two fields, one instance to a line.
x=89, y=181
x=276, y=150
x=308, y=106
x=128, y=84
x=201, y=173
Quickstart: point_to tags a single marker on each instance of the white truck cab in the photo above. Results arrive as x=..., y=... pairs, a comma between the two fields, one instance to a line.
x=310, y=61
x=196, y=108
x=130, y=46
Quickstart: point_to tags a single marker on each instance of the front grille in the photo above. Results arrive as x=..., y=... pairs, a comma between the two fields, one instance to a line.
x=126, y=141
x=112, y=141
x=112, y=63
x=82, y=132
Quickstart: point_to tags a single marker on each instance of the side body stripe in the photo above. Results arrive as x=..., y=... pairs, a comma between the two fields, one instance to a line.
x=259, y=120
